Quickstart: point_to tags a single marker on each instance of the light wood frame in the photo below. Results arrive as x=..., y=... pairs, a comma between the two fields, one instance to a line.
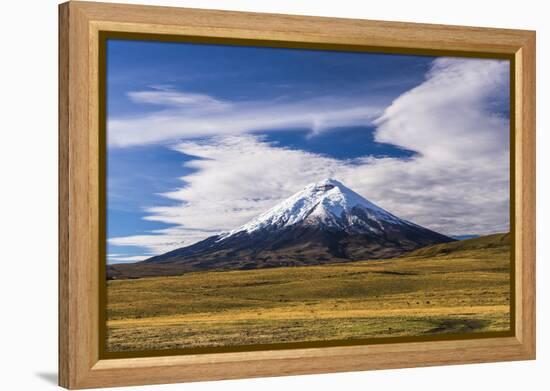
x=79, y=25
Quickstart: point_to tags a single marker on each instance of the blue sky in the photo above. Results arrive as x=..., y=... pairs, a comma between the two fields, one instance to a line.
x=189, y=123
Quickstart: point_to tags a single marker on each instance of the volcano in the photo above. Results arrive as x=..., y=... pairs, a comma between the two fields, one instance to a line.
x=325, y=222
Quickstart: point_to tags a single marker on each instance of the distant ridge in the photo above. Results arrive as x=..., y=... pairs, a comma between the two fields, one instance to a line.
x=464, y=237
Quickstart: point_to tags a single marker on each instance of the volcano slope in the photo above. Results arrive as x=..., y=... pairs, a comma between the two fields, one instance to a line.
x=325, y=222
x=458, y=288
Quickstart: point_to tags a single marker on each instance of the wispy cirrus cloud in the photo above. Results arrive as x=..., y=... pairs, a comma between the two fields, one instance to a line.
x=191, y=115
x=165, y=96
x=456, y=184
x=121, y=258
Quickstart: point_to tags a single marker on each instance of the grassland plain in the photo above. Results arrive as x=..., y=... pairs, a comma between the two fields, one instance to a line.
x=459, y=287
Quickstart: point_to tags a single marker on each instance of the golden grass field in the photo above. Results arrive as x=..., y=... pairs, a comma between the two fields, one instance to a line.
x=461, y=287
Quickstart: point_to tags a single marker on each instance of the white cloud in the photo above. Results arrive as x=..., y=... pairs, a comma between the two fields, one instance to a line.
x=456, y=184
x=447, y=116
x=167, y=97
x=189, y=115
x=121, y=258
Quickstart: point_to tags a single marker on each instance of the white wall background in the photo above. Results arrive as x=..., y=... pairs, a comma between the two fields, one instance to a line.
x=28, y=194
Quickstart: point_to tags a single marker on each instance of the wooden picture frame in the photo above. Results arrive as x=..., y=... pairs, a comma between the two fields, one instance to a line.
x=80, y=190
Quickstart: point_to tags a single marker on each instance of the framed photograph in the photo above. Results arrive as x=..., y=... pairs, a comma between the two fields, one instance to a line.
x=246, y=195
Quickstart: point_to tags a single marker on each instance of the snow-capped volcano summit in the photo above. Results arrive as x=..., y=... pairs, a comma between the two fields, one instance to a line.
x=324, y=222
x=327, y=203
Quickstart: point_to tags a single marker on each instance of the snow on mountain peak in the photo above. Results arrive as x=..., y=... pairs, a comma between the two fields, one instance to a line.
x=320, y=203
